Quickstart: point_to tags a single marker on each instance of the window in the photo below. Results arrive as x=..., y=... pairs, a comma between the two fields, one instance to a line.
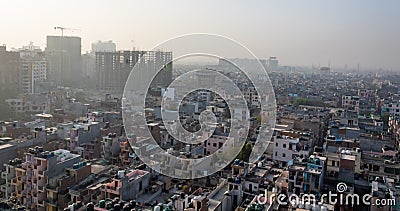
x=284, y=146
x=276, y=144
x=214, y=144
x=276, y=153
x=283, y=155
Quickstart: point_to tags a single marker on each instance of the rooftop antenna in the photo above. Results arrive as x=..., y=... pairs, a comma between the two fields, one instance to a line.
x=133, y=45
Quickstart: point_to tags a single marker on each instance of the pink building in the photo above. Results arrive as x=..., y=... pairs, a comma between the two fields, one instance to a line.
x=127, y=186
x=216, y=142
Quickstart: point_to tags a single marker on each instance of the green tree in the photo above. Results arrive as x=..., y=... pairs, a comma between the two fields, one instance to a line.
x=244, y=154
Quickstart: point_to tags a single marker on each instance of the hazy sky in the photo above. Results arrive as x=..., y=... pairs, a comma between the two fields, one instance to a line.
x=297, y=32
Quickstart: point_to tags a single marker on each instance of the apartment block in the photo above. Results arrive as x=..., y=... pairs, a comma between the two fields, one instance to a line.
x=113, y=68
x=10, y=64
x=8, y=175
x=33, y=178
x=287, y=148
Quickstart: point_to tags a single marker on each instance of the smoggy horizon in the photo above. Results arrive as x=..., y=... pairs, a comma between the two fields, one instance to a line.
x=340, y=33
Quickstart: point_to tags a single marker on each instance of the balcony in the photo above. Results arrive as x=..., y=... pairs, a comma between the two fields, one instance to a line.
x=51, y=188
x=111, y=189
x=51, y=202
x=41, y=168
x=41, y=203
x=42, y=173
x=41, y=188
x=3, y=188
x=4, y=175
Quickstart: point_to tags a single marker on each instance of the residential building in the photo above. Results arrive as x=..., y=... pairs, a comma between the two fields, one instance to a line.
x=83, y=133
x=33, y=68
x=10, y=65
x=113, y=68
x=314, y=174
x=351, y=102
x=127, y=186
x=64, y=60
x=32, y=179
x=7, y=175
x=286, y=149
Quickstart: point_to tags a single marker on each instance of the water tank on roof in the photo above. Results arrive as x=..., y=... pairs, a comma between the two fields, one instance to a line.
x=259, y=164
x=71, y=207
x=102, y=203
x=121, y=174
x=157, y=208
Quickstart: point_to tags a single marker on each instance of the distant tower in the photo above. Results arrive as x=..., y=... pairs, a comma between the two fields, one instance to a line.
x=64, y=60
x=325, y=70
x=273, y=63
x=101, y=46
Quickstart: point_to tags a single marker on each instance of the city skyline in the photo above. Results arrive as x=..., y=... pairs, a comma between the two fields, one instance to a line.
x=200, y=105
x=319, y=33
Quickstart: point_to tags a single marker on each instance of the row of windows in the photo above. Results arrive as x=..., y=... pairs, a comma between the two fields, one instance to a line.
x=283, y=145
x=283, y=154
x=215, y=144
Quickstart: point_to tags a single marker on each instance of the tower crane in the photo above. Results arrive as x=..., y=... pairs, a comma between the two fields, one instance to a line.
x=63, y=29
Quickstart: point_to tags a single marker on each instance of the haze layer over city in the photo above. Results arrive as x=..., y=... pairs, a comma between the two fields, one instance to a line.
x=200, y=105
